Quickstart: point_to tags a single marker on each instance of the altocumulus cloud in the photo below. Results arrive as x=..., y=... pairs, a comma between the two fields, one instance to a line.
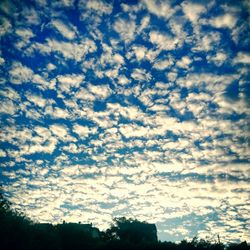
x=139, y=110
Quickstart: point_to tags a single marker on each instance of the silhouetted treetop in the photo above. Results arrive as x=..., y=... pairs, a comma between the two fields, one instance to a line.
x=132, y=230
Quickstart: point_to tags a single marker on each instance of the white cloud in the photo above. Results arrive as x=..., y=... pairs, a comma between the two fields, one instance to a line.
x=212, y=83
x=159, y=108
x=102, y=119
x=28, y=143
x=192, y=11
x=100, y=91
x=10, y=93
x=94, y=11
x=207, y=42
x=69, y=50
x=72, y=148
x=25, y=33
x=161, y=9
x=20, y=73
x=184, y=62
x=5, y=26
x=141, y=75
x=242, y=57
x=98, y=6
x=83, y=131
x=67, y=31
x=129, y=112
x=163, y=64
x=2, y=61
x=133, y=130
x=84, y=95
x=62, y=3
x=146, y=97
x=112, y=73
x=118, y=58
x=224, y=21
x=48, y=147
x=126, y=29
x=8, y=107
x=37, y=100
x=123, y=80
x=115, y=60
x=131, y=8
x=2, y=153
x=43, y=132
x=56, y=112
x=228, y=106
x=71, y=80
x=67, y=82
x=172, y=76
x=31, y=16
x=152, y=54
x=140, y=52
x=145, y=22
x=38, y=79
x=163, y=41
x=59, y=130
x=73, y=50
x=219, y=58
x=51, y=66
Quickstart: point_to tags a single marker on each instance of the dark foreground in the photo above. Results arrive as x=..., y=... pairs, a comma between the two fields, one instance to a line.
x=18, y=232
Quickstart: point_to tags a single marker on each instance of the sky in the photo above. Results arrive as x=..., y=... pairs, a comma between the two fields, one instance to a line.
x=128, y=108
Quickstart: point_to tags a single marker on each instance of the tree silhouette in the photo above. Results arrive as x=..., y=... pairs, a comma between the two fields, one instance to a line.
x=132, y=230
x=15, y=227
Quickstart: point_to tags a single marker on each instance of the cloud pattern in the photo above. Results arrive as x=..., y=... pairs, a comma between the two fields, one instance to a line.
x=136, y=109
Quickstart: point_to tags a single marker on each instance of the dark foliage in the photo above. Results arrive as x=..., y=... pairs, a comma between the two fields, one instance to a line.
x=132, y=231
x=19, y=233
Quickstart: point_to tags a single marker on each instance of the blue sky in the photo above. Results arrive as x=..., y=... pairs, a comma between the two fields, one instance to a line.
x=128, y=108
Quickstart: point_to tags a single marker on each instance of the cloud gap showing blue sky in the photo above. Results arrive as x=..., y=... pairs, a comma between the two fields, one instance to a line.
x=128, y=108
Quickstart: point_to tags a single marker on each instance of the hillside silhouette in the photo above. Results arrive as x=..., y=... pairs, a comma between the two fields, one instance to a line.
x=19, y=233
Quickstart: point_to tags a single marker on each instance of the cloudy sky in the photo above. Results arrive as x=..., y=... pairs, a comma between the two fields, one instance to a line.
x=128, y=108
